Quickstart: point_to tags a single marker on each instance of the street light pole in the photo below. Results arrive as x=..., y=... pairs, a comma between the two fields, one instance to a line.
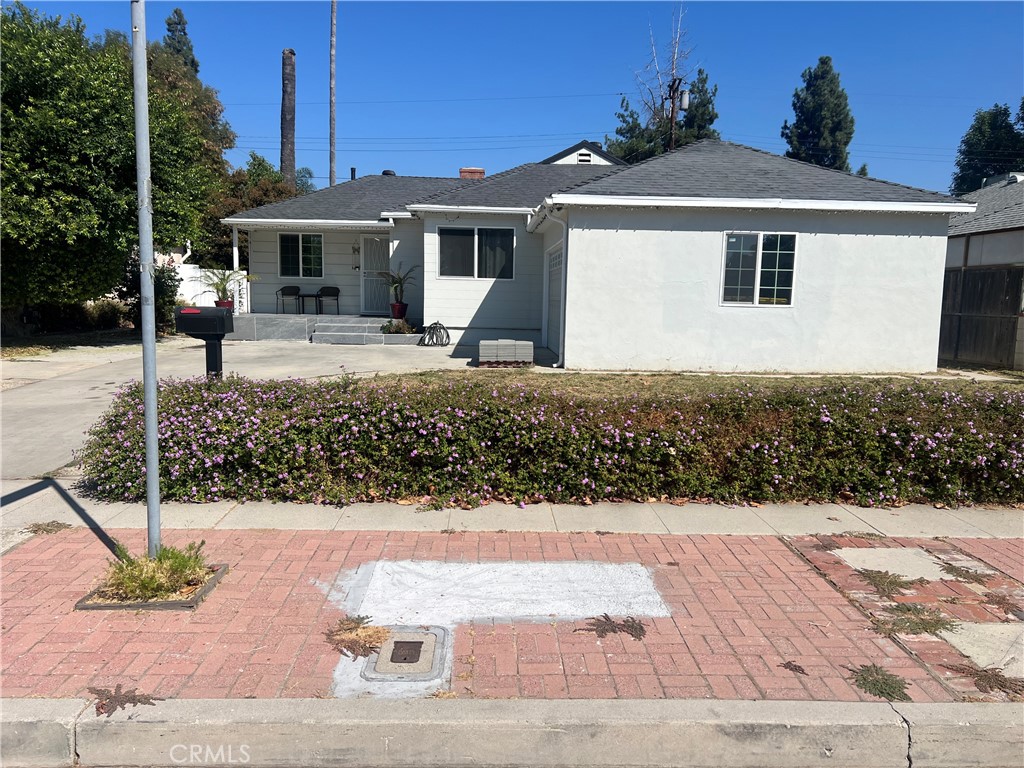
x=144, y=185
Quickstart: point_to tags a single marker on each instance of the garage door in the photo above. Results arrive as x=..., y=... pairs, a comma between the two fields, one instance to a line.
x=554, y=301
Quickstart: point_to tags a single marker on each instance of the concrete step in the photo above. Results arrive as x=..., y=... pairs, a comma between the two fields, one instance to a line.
x=347, y=338
x=350, y=320
x=353, y=328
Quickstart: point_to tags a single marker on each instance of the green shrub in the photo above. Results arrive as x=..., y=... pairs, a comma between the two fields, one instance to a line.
x=106, y=314
x=131, y=579
x=398, y=326
x=165, y=294
x=467, y=441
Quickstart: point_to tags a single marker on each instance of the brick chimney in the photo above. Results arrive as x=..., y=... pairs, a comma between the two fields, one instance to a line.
x=471, y=173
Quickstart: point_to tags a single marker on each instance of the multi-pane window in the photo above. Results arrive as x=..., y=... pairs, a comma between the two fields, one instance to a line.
x=301, y=255
x=483, y=252
x=758, y=265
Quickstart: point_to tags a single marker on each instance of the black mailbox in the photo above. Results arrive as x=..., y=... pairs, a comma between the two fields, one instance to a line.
x=210, y=324
x=204, y=322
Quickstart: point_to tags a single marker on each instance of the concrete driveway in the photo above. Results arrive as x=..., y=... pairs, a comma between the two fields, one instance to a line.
x=50, y=401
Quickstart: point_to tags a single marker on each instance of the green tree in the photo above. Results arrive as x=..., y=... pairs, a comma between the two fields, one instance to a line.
x=822, y=128
x=68, y=162
x=701, y=115
x=177, y=41
x=259, y=183
x=863, y=170
x=639, y=139
x=992, y=145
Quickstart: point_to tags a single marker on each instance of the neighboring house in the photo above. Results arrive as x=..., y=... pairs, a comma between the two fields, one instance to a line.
x=983, y=293
x=715, y=257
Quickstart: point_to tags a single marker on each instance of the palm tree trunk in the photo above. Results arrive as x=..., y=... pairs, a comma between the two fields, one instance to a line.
x=288, y=116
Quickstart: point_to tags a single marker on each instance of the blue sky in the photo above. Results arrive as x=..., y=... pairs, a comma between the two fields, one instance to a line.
x=424, y=87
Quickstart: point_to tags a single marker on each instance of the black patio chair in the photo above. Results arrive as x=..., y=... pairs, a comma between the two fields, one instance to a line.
x=288, y=293
x=328, y=293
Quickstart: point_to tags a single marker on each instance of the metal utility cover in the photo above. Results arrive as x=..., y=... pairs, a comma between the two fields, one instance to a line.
x=425, y=662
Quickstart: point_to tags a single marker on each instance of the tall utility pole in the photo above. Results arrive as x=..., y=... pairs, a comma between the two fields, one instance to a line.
x=288, y=116
x=673, y=95
x=144, y=186
x=334, y=40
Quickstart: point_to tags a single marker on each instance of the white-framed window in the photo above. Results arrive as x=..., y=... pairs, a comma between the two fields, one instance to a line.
x=758, y=268
x=300, y=255
x=483, y=252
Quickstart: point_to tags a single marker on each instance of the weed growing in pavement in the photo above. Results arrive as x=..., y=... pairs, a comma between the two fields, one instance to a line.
x=913, y=619
x=1008, y=605
x=54, y=526
x=990, y=679
x=355, y=637
x=792, y=666
x=888, y=584
x=959, y=573
x=605, y=625
x=109, y=701
x=459, y=440
x=872, y=679
x=173, y=573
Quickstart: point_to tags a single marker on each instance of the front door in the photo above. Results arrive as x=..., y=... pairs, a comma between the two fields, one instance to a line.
x=375, y=258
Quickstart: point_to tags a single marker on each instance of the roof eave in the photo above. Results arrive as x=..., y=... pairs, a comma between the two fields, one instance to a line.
x=482, y=209
x=307, y=223
x=650, y=201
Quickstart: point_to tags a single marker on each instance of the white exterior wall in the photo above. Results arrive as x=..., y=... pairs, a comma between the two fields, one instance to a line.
x=644, y=291
x=407, y=251
x=574, y=159
x=339, y=261
x=992, y=249
x=472, y=308
x=996, y=249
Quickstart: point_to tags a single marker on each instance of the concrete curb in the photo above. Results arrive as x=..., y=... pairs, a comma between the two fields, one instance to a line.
x=425, y=733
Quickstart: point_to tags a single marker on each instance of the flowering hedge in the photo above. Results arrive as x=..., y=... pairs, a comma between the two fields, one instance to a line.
x=464, y=442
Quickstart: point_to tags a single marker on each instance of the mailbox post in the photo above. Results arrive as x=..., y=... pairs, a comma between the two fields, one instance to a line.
x=209, y=324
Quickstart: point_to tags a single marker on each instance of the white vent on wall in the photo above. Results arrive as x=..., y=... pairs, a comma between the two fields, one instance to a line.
x=583, y=158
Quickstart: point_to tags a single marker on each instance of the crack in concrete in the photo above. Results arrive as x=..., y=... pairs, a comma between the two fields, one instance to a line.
x=910, y=736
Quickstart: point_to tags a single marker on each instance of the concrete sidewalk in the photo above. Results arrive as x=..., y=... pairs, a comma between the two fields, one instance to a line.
x=36, y=501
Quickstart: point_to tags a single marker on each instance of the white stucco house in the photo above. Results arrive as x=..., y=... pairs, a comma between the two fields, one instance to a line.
x=715, y=257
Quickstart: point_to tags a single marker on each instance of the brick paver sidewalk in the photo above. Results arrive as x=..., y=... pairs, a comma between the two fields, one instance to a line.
x=741, y=608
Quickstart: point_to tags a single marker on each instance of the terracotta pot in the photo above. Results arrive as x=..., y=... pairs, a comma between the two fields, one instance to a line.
x=398, y=311
x=228, y=304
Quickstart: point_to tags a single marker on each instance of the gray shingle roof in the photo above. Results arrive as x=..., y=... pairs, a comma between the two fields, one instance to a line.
x=524, y=186
x=1000, y=206
x=360, y=200
x=720, y=169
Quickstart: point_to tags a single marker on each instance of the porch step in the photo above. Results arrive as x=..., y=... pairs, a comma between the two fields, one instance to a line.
x=347, y=338
x=348, y=328
x=350, y=320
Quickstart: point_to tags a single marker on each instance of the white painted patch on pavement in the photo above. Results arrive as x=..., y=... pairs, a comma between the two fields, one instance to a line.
x=909, y=562
x=991, y=645
x=417, y=593
x=448, y=594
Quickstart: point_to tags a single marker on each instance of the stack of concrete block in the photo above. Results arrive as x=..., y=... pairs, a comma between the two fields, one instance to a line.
x=506, y=352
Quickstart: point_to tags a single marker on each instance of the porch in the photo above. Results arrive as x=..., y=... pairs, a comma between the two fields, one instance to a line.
x=319, y=329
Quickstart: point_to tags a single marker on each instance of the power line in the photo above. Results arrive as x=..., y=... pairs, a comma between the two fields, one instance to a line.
x=432, y=101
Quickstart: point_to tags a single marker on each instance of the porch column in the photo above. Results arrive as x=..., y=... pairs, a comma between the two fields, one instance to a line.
x=234, y=261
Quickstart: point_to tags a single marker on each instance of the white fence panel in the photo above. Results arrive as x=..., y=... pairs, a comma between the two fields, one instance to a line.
x=195, y=292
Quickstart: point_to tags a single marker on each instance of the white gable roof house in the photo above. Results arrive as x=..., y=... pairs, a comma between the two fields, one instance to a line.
x=714, y=257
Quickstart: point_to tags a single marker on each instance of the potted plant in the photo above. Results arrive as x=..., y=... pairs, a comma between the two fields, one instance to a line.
x=222, y=282
x=397, y=280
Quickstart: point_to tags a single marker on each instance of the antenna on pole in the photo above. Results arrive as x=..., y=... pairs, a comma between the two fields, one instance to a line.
x=144, y=185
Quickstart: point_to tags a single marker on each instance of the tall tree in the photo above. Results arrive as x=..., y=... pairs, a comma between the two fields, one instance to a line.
x=258, y=183
x=657, y=126
x=822, y=127
x=334, y=122
x=288, y=115
x=178, y=42
x=701, y=115
x=68, y=162
x=992, y=145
